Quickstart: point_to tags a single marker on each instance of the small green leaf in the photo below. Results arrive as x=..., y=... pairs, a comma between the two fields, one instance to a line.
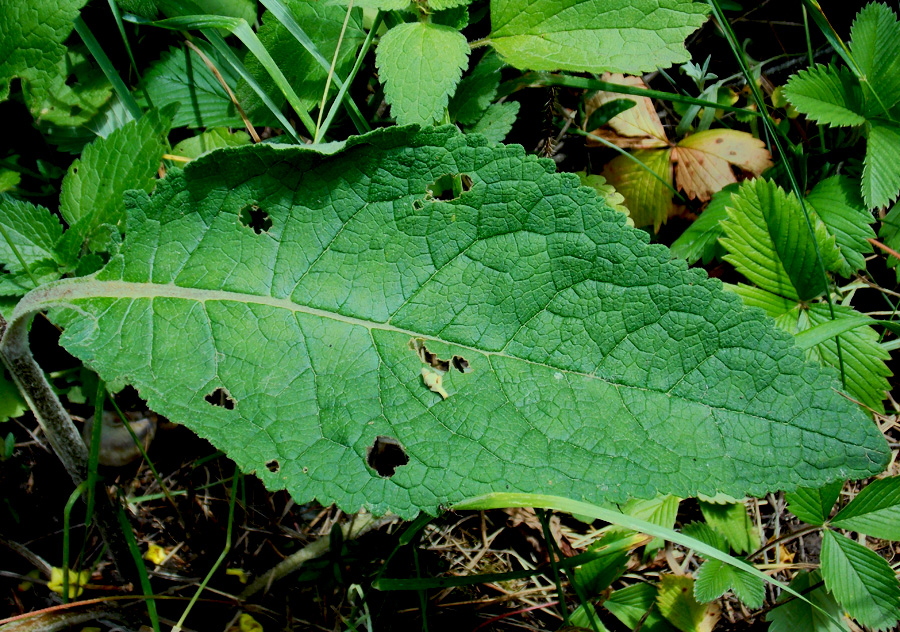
x=607, y=191
x=420, y=65
x=798, y=616
x=768, y=241
x=630, y=604
x=210, y=140
x=813, y=504
x=9, y=180
x=881, y=172
x=497, y=121
x=875, y=46
x=608, y=110
x=477, y=91
x=827, y=95
x=180, y=76
x=33, y=231
x=11, y=403
x=598, y=574
x=838, y=204
x=861, y=581
x=706, y=534
x=875, y=511
x=75, y=92
x=732, y=521
x=701, y=239
x=714, y=578
x=594, y=35
x=93, y=189
x=676, y=602
x=648, y=198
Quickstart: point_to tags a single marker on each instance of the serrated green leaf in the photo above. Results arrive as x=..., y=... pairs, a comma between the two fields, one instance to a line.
x=827, y=94
x=795, y=615
x=706, y=534
x=323, y=24
x=477, y=91
x=598, y=574
x=180, y=76
x=571, y=325
x=608, y=192
x=33, y=231
x=676, y=603
x=594, y=35
x=497, y=121
x=94, y=186
x=74, y=92
x=210, y=140
x=881, y=172
x=648, y=199
x=701, y=239
x=838, y=204
x=861, y=581
x=420, y=65
x=732, y=521
x=768, y=241
x=813, y=504
x=630, y=604
x=31, y=44
x=889, y=232
x=9, y=180
x=875, y=46
x=714, y=578
x=875, y=511
x=20, y=283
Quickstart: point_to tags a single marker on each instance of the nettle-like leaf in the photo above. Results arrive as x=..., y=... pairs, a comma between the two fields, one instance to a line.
x=94, y=187
x=32, y=233
x=75, y=92
x=420, y=65
x=476, y=92
x=376, y=346
x=828, y=95
x=864, y=358
x=813, y=504
x=594, y=35
x=180, y=76
x=323, y=22
x=875, y=46
x=31, y=44
x=497, y=121
x=861, y=581
x=820, y=613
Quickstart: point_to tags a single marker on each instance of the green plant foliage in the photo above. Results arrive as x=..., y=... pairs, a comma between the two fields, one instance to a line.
x=649, y=197
x=834, y=96
x=630, y=604
x=94, y=186
x=11, y=403
x=865, y=370
x=323, y=23
x=594, y=35
x=497, y=121
x=813, y=505
x=767, y=239
x=477, y=91
x=31, y=44
x=795, y=615
x=606, y=191
x=420, y=65
x=598, y=574
x=701, y=239
x=180, y=76
x=75, y=92
x=211, y=139
x=838, y=204
x=677, y=604
x=582, y=359
x=861, y=581
x=889, y=232
x=875, y=511
x=733, y=522
x=714, y=578
x=30, y=230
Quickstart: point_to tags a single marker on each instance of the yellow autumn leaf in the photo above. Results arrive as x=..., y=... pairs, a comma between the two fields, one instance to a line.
x=647, y=198
x=703, y=161
x=76, y=581
x=635, y=128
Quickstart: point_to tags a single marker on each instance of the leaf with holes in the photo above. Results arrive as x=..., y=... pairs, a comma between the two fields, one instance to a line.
x=573, y=356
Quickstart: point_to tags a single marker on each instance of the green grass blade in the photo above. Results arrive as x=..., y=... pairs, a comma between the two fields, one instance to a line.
x=107, y=67
x=114, y=8
x=281, y=12
x=141, y=567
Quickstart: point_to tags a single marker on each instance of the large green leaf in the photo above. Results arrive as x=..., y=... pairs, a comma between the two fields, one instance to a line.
x=180, y=76
x=594, y=35
x=320, y=298
x=795, y=615
x=420, y=65
x=769, y=241
x=31, y=43
x=875, y=45
x=827, y=94
x=861, y=581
